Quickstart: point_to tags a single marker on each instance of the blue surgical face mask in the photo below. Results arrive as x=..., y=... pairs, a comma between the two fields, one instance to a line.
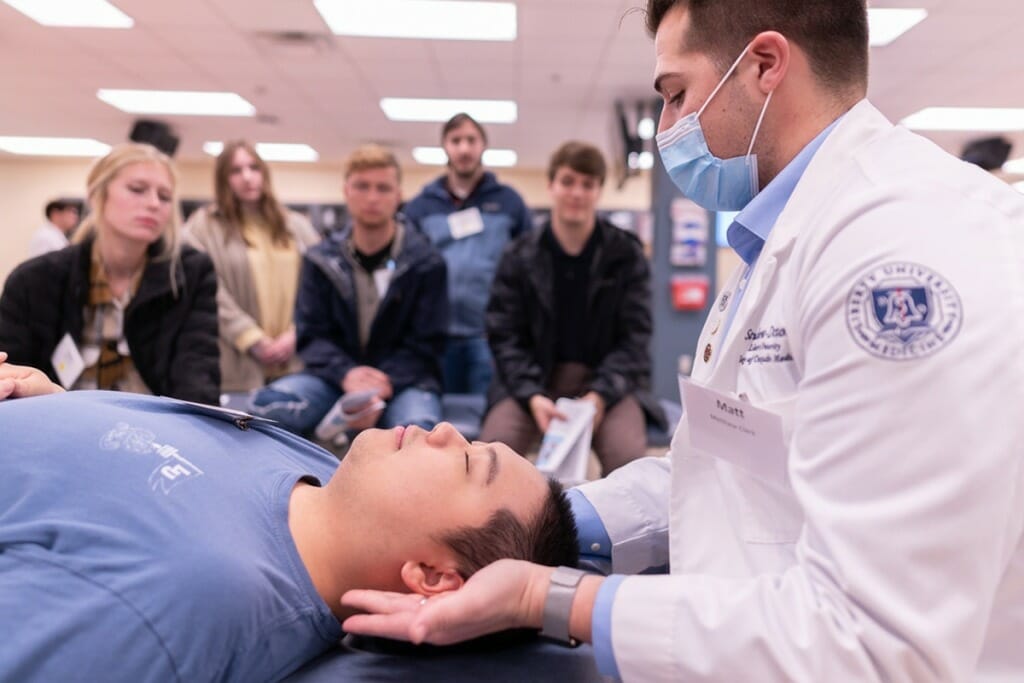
x=715, y=184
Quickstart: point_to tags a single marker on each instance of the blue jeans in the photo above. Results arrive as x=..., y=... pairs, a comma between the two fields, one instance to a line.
x=300, y=401
x=468, y=366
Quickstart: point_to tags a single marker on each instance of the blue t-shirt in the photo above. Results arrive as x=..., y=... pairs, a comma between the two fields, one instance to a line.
x=146, y=539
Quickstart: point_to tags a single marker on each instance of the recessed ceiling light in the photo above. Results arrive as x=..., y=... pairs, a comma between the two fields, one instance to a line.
x=429, y=19
x=436, y=110
x=1014, y=166
x=183, y=102
x=272, y=151
x=495, y=158
x=77, y=13
x=887, y=24
x=646, y=161
x=991, y=119
x=54, y=147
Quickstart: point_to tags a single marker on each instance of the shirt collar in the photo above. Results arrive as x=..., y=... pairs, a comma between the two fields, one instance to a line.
x=750, y=229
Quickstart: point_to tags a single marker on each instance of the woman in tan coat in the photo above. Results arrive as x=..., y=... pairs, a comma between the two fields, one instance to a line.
x=256, y=246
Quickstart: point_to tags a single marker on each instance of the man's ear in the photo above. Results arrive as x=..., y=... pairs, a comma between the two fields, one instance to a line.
x=425, y=579
x=772, y=51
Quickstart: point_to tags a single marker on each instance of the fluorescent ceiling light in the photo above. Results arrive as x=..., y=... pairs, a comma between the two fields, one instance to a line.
x=430, y=19
x=1014, y=166
x=177, y=102
x=435, y=156
x=435, y=110
x=272, y=151
x=79, y=13
x=886, y=25
x=500, y=158
x=54, y=147
x=967, y=119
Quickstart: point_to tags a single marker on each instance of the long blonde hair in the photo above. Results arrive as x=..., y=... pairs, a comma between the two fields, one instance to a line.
x=229, y=208
x=98, y=181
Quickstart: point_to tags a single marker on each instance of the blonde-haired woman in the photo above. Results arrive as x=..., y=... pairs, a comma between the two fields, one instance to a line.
x=127, y=307
x=256, y=246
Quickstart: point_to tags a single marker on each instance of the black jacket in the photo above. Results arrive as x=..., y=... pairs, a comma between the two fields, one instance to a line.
x=173, y=340
x=521, y=320
x=407, y=336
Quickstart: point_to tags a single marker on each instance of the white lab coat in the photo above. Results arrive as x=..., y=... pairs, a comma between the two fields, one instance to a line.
x=894, y=550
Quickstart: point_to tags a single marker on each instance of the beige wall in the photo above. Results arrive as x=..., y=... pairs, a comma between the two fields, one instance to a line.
x=26, y=186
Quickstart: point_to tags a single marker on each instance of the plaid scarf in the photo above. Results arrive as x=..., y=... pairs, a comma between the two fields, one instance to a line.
x=104, y=330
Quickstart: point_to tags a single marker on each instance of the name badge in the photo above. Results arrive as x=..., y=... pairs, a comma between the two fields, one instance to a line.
x=726, y=427
x=465, y=223
x=67, y=361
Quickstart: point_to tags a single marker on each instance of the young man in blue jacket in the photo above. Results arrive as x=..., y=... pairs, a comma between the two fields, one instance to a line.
x=470, y=217
x=371, y=313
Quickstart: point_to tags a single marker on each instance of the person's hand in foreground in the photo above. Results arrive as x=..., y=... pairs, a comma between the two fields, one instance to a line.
x=505, y=595
x=21, y=381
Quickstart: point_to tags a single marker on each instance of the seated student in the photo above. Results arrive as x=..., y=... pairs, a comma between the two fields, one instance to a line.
x=570, y=315
x=127, y=307
x=146, y=539
x=371, y=313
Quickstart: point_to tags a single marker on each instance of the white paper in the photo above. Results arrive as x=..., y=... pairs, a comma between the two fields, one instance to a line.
x=565, y=450
x=67, y=362
x=465, y=223
x=734, y=430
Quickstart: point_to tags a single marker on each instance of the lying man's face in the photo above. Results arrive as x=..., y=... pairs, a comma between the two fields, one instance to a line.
x=428, y=493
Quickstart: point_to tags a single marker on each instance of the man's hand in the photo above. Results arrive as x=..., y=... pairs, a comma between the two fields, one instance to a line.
x=599, y=406
x=506, y=594
x=20, y=381
x=365, y=378
x=544, y=410
x=367, y=422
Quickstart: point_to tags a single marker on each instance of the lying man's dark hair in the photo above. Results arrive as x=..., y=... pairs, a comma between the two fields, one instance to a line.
x=549, y=538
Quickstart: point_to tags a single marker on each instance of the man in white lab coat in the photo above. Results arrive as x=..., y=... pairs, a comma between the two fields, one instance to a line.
x=844, y=500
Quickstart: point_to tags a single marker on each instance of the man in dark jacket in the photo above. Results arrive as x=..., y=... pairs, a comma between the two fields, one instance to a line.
x=470, y=217
x=570, y=315
x=370, y=315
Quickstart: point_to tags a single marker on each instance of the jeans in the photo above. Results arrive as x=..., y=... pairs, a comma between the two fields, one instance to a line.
x=300, y=401
x=468, y=366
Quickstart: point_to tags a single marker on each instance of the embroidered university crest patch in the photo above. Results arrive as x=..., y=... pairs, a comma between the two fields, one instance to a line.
x=902, y=311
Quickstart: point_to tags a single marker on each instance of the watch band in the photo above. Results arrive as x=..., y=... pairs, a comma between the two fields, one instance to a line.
x=558, y=604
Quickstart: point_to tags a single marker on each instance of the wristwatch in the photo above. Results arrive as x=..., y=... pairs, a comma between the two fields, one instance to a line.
x=558, y=605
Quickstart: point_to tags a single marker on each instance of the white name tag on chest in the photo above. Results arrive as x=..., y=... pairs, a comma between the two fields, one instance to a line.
x=465, y=223
x=67, y=361
x=735, y=431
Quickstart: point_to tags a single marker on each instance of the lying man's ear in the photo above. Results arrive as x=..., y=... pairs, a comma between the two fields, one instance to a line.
x=425, y=579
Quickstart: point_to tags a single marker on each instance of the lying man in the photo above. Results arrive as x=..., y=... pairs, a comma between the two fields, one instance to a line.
x=148, y=539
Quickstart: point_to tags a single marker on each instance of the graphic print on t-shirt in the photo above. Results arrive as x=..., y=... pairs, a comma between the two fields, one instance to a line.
x=171, y=471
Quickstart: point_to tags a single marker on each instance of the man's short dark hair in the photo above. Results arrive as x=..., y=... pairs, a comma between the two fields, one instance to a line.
x=833, y=33
x=580, y=157
x=58, y=205
x=459, y=119
x=549, y=538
